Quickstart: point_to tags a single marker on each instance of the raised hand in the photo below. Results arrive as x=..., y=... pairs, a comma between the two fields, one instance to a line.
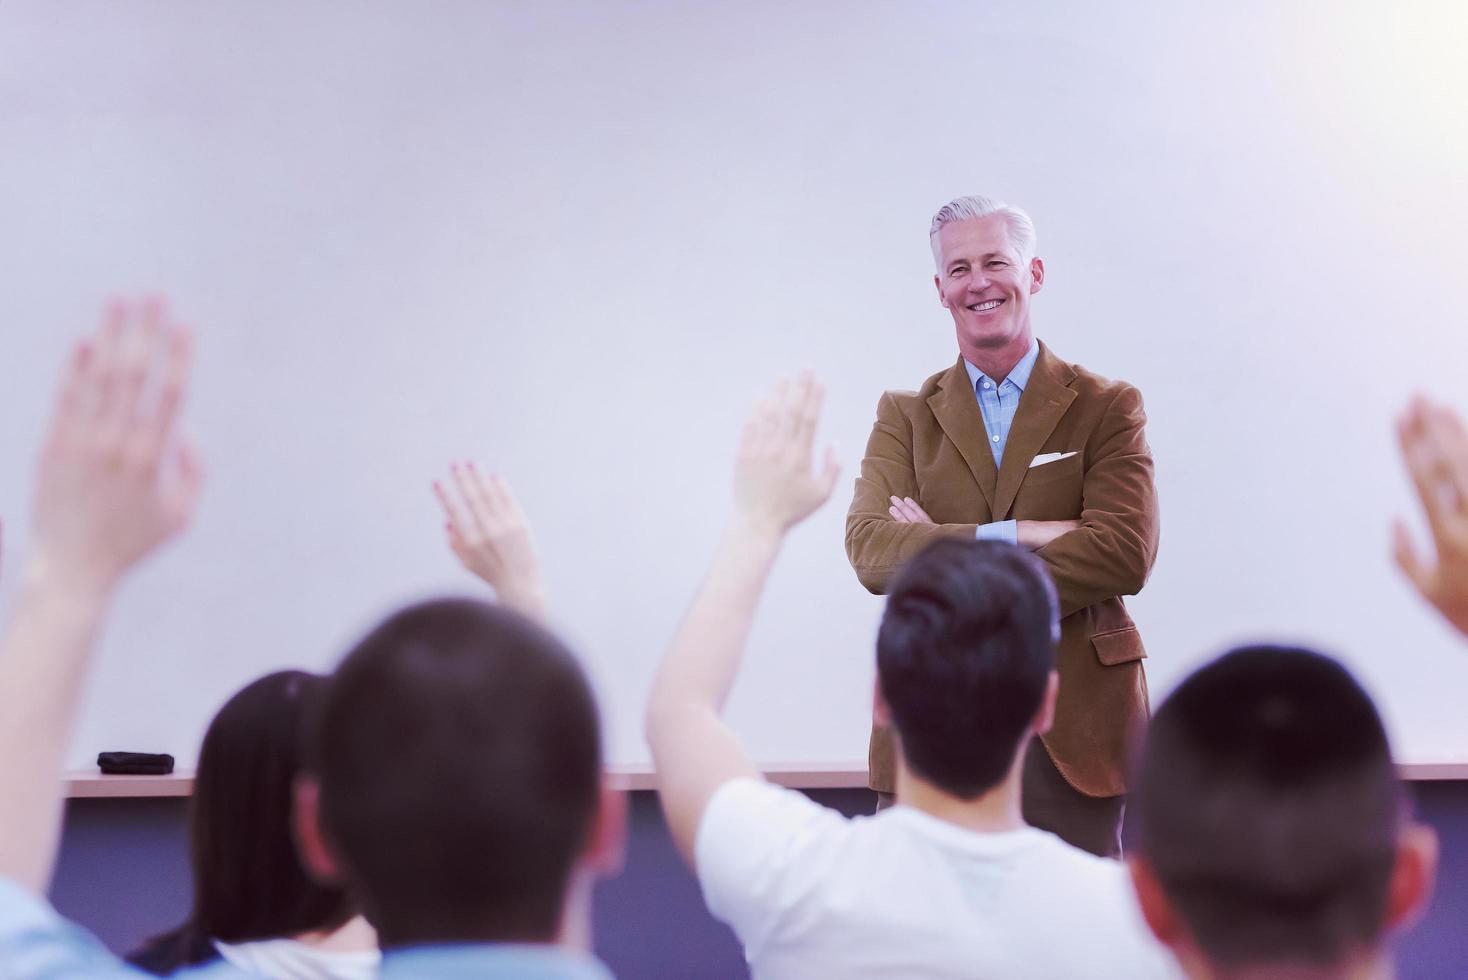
x=116, y=480
x=1435, y=449
x=775, y=486
x=489, y=535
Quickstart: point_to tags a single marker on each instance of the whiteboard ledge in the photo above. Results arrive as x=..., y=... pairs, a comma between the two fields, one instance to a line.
x=84, y=784
x=797, y=775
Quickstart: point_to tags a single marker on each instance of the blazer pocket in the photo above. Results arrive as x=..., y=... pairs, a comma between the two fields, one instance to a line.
x=1059, y=469
x=1051, y=491
x=1118, y=646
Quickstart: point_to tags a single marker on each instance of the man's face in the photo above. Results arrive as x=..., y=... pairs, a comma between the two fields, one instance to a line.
x=986, y=285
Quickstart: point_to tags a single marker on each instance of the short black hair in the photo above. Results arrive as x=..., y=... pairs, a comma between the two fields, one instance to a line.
x=248, y=879
x=1269, y=809
x=460, y=772
x=964, y=654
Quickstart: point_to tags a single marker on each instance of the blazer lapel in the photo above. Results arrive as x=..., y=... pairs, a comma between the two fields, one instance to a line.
x=956, y=408
x=1044, y=401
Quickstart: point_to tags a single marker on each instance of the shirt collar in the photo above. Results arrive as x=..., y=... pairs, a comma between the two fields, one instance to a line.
x=490, y=960
x=1019, y=375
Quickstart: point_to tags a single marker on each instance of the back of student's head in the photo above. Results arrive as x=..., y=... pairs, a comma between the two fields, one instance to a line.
x=248, y=879
x=459, y=766
x=1268, y=809
x=964, y=655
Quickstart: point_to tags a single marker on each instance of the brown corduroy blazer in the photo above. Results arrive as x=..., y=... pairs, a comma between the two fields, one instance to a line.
x=931, y=445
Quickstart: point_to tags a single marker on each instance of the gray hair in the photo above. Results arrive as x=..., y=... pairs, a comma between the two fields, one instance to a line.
x=1021, y=228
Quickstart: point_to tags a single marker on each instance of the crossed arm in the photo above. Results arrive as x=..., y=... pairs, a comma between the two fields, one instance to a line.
x=115, y=482
x=1107, y=551
x=694, y=751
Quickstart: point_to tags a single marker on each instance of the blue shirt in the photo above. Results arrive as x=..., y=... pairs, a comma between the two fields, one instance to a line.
x=38, y=944
x=998, y=401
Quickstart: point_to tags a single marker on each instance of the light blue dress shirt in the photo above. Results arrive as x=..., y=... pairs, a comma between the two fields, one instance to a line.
x=998, y=401
x=38, y=944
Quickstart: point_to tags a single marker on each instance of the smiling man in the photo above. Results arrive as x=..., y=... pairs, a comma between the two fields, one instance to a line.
x=1013, y=443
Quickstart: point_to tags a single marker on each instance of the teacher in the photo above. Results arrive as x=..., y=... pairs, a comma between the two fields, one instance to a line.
x=1013, y=443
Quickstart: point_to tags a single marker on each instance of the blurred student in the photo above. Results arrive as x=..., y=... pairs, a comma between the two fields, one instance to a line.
x=254, y=905
x=455, y=787
x=1435, y=448
x=1273, y=838
x=949, y=882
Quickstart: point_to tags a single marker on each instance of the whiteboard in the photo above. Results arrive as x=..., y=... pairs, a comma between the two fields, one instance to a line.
x=573, y=241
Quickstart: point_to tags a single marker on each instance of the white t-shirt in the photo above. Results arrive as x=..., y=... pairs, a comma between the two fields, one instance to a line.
x=287, y=959
x=903, y=894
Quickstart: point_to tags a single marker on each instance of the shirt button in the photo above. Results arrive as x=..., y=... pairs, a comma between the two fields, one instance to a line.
x=987, y=385
x=996, y=438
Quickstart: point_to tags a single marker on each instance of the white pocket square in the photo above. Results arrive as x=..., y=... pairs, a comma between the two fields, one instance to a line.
x=1044, y=458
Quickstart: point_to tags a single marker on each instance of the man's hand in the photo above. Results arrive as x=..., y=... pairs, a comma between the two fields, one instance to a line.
x=774, y=485
x=1435, y=448
x=115, y=480
x=1032, y=535
x=489, y=534
x=905, y=510
x=1035, y=535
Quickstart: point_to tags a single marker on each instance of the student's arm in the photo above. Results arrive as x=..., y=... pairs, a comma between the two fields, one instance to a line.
x=693, y=750
x=114, y=483
x=1435, y=449
x=489, y=535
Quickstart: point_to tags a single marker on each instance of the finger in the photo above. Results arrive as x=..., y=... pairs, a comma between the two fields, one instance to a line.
x=1420, y=456
x=473, y=526
x=508, y=504
x=172, y=380
x=451, y=508
x=1404, y=552
x=187, y=483
x=794, y=414
x=1444, y=430
x=749, y=434
x=830, y=473
x=810, y=414
x=103, y=376
x=909, y=516
x=478, y=496
x=456, y=540
x=780, y=421
x=917, y=509
x=914, y=512
x=763, y=421
x=136, y=351
x=898, y=516
x=71, y=397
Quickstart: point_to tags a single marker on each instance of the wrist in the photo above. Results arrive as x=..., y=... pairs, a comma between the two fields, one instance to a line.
x=80, y=583
x=757, y=530
x=527, y=598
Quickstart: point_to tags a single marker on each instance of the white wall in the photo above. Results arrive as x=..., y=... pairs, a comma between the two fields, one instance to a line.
x=575, y=240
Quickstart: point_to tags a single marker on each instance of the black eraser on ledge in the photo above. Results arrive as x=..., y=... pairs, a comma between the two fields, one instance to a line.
x=134, y=763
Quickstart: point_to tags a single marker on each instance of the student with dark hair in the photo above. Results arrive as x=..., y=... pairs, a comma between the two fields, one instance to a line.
x=949, y=882
x=458, y=778
x=1273, y=838
x=458, y=790
x=254, y=905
